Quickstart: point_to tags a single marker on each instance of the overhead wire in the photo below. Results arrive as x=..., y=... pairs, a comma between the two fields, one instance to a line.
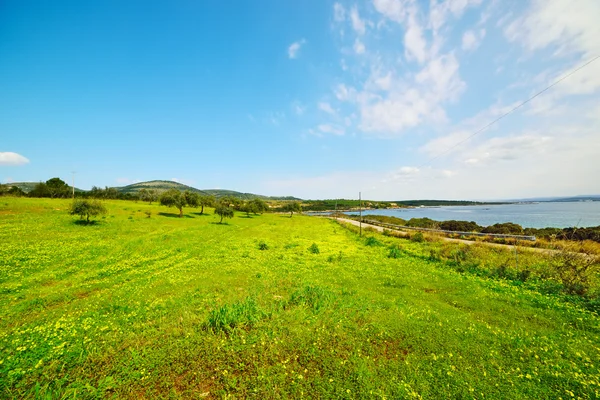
x=510, y=111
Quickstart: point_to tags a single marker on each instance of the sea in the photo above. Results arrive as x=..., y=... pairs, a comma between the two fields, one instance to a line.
x=528, y=215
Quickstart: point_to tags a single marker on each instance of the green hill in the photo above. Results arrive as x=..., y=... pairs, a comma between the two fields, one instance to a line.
x=156, y=185
x=166, y=185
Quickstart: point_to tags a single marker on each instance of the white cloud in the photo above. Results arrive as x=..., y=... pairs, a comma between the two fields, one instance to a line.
x=563, y=24
x=294, y=48
x=357, y=24
x=472, y=39
x=441, y=11
x=568, y=29
x=395, y=10
x=331, y=128
x=409, y=103
x=339, y=13
x=324, y=106
x=359, y=46
x=415, y=46
x=12, y=159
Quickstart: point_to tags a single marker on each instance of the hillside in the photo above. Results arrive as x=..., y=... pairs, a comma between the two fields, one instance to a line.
x=166, y=185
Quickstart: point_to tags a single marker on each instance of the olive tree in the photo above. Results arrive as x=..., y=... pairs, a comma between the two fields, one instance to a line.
x=178, y=199
x=87, y=208
x=292, y=207
x=223, y=211
x=149, y=195
x=206, y=201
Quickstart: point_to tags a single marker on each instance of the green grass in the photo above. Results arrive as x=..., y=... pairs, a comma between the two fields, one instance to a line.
x=163, y=307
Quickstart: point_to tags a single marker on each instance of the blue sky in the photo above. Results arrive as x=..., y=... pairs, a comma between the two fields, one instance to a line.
x=316, y=99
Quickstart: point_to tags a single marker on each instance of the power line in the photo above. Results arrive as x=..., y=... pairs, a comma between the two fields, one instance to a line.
x=510, y=111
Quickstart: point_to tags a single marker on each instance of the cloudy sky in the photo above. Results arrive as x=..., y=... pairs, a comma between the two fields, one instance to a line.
x=316, y=99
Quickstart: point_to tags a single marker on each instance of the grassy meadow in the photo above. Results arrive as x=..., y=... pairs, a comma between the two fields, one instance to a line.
x=269, y=307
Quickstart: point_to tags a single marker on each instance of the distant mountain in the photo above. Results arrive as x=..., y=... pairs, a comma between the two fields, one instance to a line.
x=434, y=203
x=166, y=185
x=591, y=197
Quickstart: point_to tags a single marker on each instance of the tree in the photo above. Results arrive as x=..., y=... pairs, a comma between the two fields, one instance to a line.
x=8, y=190
x=223, y=211
x=249, y=207
x=293, y=206
x=206, y=201
x=192, y=199
x=149, y=195
x=87, y=209
x=260, y=206
x=254, y=206
x=178, y=199
x=231, y=202
x=57, y=188
x=40, y=190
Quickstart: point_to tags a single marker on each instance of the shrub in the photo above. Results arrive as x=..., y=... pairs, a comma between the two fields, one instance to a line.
x=417, y=237
x=314, y=249
x=371, y=241
x=394, y=252
x=574, y=269
x=464, y=226
x=262, y=245
x=507, y=228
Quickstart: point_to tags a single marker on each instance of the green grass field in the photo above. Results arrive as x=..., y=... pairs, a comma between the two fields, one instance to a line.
x=266, y=307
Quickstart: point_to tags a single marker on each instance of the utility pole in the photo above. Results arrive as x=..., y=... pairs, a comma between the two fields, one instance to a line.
x=73, y=180
x=336, y=209
x=360, y=214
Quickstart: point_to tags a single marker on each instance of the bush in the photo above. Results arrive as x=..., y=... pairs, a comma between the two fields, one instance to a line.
x=463, y=226
x=507, y=228
x=371, y=241
x=574, y=268
x=262, y=245
x=314, y=249
x=417, y=237
x=423, y=223
x=394, y=252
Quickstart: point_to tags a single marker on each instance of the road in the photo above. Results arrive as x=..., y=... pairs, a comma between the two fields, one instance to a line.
x=447, y=239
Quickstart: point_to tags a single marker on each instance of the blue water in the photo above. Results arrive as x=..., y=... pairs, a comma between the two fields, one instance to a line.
x=528, y=215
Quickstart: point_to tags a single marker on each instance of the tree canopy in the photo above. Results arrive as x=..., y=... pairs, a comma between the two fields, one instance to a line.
x=87, y=208
x=206, y=201
x=178, y=199
x=224, y=211
x=292, y=207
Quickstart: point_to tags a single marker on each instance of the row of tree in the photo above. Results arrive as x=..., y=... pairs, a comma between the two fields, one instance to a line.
x=224, y=207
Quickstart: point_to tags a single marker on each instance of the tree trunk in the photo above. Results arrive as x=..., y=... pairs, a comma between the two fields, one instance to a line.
x=202, y=210
x=180, y=212
x=88, y=218
x=221, y=221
